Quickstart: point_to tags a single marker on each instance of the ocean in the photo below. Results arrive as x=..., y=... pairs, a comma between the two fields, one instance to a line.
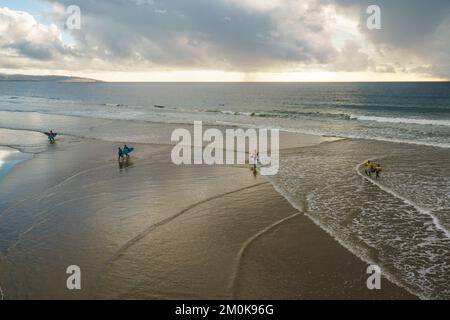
x=401, y=222
x=416, y=113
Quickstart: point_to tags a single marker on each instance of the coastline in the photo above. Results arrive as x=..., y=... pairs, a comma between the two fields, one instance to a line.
x=9, y=158
x=246, y=213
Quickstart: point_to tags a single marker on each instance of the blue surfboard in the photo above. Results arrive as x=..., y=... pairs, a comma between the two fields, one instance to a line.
x=128, y=151
x=48, y=134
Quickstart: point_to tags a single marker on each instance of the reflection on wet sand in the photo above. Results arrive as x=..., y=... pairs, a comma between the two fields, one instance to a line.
x=153, y=230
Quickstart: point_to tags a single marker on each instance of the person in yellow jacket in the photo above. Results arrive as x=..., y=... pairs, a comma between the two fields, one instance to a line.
x=369, y=168
x=378, y=170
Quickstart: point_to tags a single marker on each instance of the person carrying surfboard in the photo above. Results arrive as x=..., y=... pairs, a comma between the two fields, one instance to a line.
x=127, y=150
x=120, y=153
x=51, y=136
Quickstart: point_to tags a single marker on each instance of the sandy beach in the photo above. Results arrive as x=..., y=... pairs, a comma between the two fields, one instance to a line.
x=255, y=151
x=152, y=230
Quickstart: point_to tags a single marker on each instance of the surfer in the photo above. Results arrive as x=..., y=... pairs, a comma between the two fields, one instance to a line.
x=254, y=158
x=378, y=170
x=254, y=171
x=51, y=136
x=126, y=151
x=120, y=153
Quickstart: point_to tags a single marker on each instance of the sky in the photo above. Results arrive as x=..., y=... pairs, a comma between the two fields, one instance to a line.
x=227, y=40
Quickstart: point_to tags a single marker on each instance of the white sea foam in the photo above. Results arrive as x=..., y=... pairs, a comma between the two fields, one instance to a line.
x=432, y=122
x=341, y=239
x=422, y=210
x=326, y=122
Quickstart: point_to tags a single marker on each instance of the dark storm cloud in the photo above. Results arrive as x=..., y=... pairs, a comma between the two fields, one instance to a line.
x=31, y=50
x=405, y=23
x=412, y=28
x=233, y=35
x=191, y=33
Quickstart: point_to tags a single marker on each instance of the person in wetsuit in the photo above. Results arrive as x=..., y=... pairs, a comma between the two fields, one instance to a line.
x=126, y=151
x=378, y=170
x=369, y=168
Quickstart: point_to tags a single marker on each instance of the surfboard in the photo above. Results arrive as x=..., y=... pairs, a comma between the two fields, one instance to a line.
x=48, y=134
x=127, y=152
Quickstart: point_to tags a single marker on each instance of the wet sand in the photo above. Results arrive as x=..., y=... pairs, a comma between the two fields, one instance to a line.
x=148, y=229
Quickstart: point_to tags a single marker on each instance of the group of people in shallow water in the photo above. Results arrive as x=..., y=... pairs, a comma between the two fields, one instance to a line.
x=372, y=168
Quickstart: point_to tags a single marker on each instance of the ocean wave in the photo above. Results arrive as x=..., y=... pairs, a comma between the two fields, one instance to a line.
x=433, y=122
x=283, y=114
x=327, y=131
x=303, y=114
x=346, y=135
x=338, y=123
x=436, y=222
x=338, y=116
x=371, y=107
x=228, y=112
x=38, y=105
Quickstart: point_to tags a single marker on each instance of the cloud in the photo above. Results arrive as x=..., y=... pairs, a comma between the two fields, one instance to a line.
x=244, y=36
x=405, y=23
x=351, y=59
x=412, y=30
x=23, y=38
x=221, y=34
x=31, y=50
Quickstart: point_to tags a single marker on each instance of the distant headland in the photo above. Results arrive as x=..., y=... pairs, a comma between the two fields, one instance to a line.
x=50, y=78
